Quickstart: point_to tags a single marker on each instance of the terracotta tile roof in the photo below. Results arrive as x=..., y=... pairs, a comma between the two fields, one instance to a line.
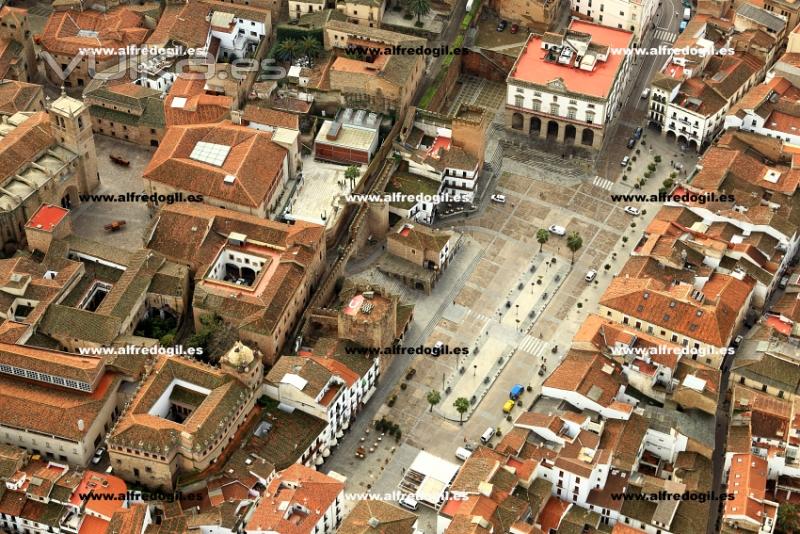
x=195, y=235
x=86, y=369
x=588, y=373
x=391, y=519
x=24, y=143
x=747, y=480
x=311, y=492
x=255, y=162
x=187, y=103
x=18, y=96
x=67, y=32
x=138, y=428
x=709, y=321
x=53, y=410
x=271, y=117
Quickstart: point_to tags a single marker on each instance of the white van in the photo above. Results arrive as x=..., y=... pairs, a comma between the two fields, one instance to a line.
x=462, y=454
x=487, y=435
x=687, y=13
x=408, y=502
x=646, y=93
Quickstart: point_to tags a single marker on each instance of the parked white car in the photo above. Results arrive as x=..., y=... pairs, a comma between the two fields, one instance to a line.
x=590, y=275
x=500, y=199
x=630, y=210
x=558, y=230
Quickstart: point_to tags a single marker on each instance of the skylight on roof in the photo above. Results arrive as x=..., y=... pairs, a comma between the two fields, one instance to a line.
x=178, y=102
x=210, y=153
x=88, y=33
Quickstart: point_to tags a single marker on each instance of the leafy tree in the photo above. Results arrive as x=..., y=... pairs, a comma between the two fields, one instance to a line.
x=574, y=242
x=351, y=174
x=419, y=8
x=542, y=236
x=461, y=405
x=788, y=518
x=287, y=50
x=434, y=397
x=310, y=47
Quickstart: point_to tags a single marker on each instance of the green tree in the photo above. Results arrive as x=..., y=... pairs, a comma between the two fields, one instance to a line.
x=574, y=242
x=461, y=405
x=788, y=518
x=351, y=174
x=433, y=398
x=542, y=236
x=419, y=8
x=311, y=48
x=287, y=50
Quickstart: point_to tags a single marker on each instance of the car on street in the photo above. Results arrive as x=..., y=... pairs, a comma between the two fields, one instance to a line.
x=514, y=28
x=500, y=199
x=630, y=210
x=637, y=133
x=501, y=26
x=98, y=455
x=508, y=406
x=682, y=26
x=645, y=93
x=558, y=230
x=590, y=275
x=625, y=161
x=409, y=503
x=631, y=143
x=463, y=454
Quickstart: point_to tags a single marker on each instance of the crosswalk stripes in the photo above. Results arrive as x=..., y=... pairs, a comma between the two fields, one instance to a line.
x=665, y=35
x=532, y=345
x=602, y=183
x=477, y=315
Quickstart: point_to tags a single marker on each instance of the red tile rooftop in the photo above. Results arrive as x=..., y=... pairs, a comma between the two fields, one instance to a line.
x=47, y=217
x=100, y=484
x=531, y=65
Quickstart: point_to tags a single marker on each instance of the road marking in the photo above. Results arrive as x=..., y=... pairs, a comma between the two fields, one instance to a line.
x=662, y=34
x=602, y=183
x=532, y=345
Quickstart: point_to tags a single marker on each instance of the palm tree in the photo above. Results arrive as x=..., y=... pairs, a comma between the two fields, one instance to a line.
x=419, y=8
x=287, y=50
x=433, y=398
x=574, y=242
x=461, y=405
x=542, y=236
x=310, y=47
x=352, y=173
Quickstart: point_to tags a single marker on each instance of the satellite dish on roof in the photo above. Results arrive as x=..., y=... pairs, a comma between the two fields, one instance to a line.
x=81, y=425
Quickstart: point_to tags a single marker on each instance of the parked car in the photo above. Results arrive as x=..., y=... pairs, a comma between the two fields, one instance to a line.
x=98, y=455
x=784, y=282
x=681, y=26
x=625, y=161
x=630, y=210
x=514, y=28
x=487, y=435
x=409, y=503
x=646, y=93
x=463, y=454
x=508, y=406
x=637, y=133
x=516, y=391
x=631, y=143
x=500, y=199
x=591, y=274
x=501, y=26
x=558, y=230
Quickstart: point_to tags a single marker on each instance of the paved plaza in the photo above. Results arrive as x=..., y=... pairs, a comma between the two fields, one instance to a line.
x=317, y=196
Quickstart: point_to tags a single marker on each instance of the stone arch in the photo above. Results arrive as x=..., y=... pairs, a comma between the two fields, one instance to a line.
x=70, y=199
x=517, y=121
x=552, y=130
x=570, y=133
x=587, y=137
x=535, y=126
